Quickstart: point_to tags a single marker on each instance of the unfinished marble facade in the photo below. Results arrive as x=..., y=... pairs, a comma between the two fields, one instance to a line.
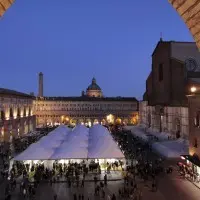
x=173, y=120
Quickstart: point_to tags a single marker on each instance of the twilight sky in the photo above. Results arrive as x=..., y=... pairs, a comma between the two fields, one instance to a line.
x=71, y=41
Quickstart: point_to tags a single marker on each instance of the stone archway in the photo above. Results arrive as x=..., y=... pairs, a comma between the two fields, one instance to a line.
x=88, y=122
x=96, y=121
x=103, y=122
x=125, y=121
x=188, y=10
x=73, y=122
x=80, y=121
x=118, y=121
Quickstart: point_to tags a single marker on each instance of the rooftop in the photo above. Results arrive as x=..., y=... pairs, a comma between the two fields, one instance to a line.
x=15, y=93
x=85, y=98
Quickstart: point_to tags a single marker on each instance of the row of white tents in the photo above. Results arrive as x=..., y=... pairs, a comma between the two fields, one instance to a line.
x=78, y=143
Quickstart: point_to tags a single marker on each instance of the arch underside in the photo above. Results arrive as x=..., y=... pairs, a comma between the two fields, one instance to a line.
x=189, y=10
x=4, y=5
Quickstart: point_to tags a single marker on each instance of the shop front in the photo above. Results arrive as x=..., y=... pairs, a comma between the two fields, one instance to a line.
x=192, y=167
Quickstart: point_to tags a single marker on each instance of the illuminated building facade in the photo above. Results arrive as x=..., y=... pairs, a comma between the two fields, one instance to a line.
x=89, y=108
x=16, y=114
x=193, y=159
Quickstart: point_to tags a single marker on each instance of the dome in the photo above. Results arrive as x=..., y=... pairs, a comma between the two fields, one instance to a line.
x=94, y=90
x=93, y=85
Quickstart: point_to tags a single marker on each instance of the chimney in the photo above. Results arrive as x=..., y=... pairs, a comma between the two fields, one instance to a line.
x=40, y=91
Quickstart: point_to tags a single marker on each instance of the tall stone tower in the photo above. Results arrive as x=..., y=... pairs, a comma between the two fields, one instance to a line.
x=40, y=89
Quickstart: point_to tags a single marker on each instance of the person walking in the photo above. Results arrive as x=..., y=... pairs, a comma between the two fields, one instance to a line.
x=75, y=197
x=24, y=193
x=113, y=197
x=82, y=183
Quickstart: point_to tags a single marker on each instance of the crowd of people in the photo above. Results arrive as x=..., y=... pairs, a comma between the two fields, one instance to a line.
x=147, y=166
x=141, y=165
x=187, y=172
x=7, y=151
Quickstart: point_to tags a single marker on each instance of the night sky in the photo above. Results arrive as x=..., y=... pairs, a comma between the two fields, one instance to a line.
x=71, y=41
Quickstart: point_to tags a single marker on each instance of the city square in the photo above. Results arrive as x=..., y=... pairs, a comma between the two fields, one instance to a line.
x=115, y=112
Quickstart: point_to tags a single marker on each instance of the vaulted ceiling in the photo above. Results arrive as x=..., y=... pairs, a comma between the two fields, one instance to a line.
x=189, y=10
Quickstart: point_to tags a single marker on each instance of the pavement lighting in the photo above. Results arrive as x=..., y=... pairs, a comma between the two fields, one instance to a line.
x=193, y=89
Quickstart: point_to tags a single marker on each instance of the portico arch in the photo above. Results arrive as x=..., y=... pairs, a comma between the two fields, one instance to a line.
x=88, y=122
x=73, y=122
x=103, y=122
x=118, y=121
x=96, y=121
x=188, y=10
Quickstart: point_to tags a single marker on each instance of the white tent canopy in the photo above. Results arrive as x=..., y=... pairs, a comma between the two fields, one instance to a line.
x=35, y=152
x=78, y=143
x=102, y=145
x=75, y=146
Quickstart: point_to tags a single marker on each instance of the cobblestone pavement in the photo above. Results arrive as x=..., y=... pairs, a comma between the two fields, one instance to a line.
x=45, y=191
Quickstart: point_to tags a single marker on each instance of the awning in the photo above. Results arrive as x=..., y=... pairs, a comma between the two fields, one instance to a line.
x=192, y=159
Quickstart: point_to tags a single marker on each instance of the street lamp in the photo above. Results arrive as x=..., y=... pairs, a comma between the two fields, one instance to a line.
x=193, y=89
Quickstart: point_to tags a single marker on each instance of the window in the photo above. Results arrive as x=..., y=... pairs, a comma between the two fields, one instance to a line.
x=195, y=143
x=160, y=72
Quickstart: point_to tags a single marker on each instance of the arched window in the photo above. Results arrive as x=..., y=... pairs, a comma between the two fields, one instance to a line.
x=197, y=119
x=11, y=113
x=195, y=143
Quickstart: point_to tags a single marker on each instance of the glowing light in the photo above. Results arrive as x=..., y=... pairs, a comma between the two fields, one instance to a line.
x=35, y=161
x=193, y=89
x=89, y=124
x=110, y=118
x=182, y=158
x=2, y=131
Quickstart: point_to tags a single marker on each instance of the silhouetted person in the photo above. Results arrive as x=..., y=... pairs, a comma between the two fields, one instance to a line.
x=75, y=197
